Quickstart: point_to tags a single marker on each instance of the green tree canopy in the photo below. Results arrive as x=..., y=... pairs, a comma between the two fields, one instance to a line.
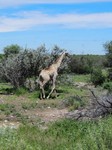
x=12, y=49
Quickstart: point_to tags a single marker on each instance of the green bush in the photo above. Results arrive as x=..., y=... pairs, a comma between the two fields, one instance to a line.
x=97, y=77
x=110, y=74
x=83, y=64
x=73, y=102
x=108, y=86
x=7, y=108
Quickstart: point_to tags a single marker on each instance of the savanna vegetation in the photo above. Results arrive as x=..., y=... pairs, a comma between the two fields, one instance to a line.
x=26, y=122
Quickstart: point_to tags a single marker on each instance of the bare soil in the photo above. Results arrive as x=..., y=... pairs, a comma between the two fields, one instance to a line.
x=22, y=111
x=51, y=114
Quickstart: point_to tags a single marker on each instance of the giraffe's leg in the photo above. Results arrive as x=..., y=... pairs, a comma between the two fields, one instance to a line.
x=53, y=87
x=42, y=92
x=41, y=95
x=51, y=91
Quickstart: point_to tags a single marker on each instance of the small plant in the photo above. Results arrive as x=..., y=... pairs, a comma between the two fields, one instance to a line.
x=23, y=119
x=34, y=95
x=29, y=106
x=73, y=102
x=17, y=114
x=7, y=108
x=20, y=91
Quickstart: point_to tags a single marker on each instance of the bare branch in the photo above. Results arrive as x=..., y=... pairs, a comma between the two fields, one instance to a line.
x=100, y=103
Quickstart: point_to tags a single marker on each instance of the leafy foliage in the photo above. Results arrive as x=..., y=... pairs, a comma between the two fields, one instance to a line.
x=11, y=50
x=97, y=77
x=25, y=64
x=83, y=64
x=108, y=86
x=108, y=48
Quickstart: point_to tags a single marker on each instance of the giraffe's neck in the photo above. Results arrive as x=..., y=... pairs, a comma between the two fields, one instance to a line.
x=59, y=60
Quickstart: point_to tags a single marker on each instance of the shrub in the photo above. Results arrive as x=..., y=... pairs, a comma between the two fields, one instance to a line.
x=73, y=102
x=108, y=86
x=83, y=64
x=97, y=77
x=108, y=48
x=110, y=74
x=17, y=68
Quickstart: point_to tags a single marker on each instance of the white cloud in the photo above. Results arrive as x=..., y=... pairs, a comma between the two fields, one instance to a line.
x=8, y=3
x=27, y=20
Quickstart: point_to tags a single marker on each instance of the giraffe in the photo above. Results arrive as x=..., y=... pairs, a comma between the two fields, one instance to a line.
x=48, y=74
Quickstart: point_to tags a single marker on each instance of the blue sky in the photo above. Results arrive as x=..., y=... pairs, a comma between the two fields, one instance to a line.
x=79, y=26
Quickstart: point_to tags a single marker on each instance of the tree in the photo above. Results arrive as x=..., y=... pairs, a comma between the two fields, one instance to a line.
x=97, y=77
x=80, y=64
x=108, y=48
x=11, y=50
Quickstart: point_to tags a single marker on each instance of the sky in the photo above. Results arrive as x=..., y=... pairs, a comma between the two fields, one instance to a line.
x=79, y=26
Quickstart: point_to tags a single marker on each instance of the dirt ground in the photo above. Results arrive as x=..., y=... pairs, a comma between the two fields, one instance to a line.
x=47, y=115
x=20, y=111
x=51, y=114
x=17, y=110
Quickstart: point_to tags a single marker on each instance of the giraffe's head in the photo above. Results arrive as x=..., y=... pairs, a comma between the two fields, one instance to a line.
x=66, y=54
